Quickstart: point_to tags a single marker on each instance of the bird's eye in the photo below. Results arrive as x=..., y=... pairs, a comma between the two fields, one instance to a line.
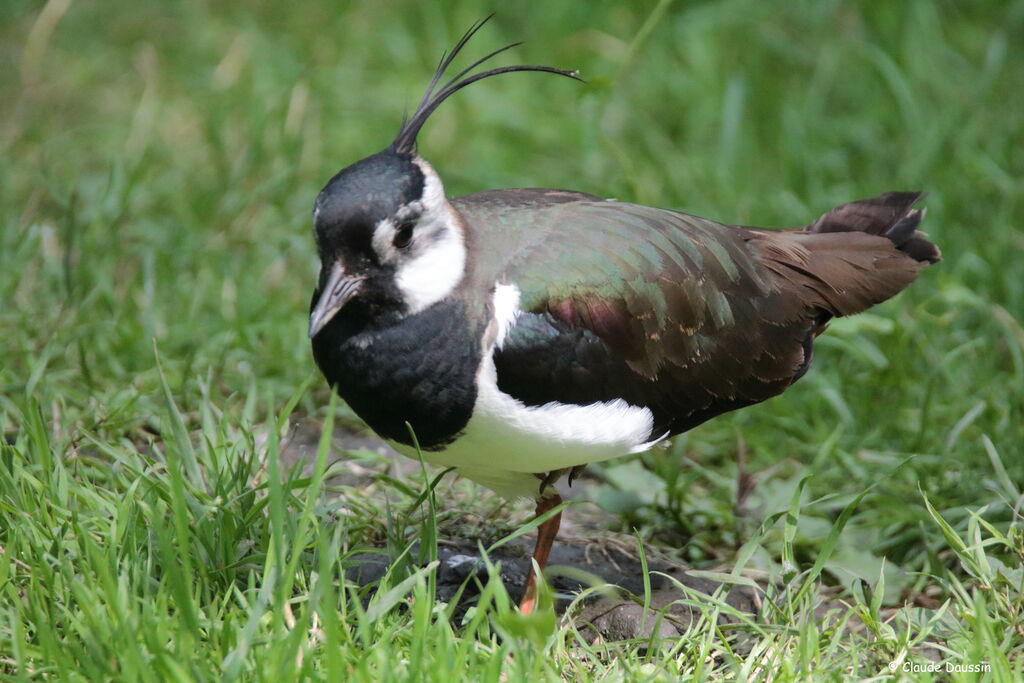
x=403, y=235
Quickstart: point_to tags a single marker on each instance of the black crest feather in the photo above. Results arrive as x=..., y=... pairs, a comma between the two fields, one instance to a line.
x=405, y=141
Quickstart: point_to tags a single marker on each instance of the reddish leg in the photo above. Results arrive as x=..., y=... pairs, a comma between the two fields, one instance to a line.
x=546, y=533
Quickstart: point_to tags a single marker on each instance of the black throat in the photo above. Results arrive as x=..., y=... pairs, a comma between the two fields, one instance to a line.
x=419, y=369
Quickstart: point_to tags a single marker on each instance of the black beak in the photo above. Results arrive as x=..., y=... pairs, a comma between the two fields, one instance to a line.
x=335, y=294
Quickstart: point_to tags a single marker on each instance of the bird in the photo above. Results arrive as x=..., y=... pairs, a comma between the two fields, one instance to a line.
x=517, y=335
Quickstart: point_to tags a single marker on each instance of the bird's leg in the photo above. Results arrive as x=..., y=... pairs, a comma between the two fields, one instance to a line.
x=546, y=533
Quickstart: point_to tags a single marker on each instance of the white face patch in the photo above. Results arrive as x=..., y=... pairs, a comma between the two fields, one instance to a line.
x=434, y=262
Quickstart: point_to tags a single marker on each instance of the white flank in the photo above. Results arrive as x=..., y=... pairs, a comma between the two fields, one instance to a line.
x=507, y=442
x=554, y=435
x=434, y=272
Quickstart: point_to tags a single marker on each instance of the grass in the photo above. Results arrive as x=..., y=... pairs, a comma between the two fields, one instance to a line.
x=155, y=263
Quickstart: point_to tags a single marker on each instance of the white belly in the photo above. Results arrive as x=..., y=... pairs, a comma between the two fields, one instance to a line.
x=506, y=442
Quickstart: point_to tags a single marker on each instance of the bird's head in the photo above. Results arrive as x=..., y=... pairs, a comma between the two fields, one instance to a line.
x=387, y=236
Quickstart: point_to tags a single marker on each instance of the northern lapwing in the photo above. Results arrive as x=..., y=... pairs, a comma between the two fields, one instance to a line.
x=524, y=333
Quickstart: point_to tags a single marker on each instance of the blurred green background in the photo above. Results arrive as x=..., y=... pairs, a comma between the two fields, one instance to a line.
x=160, y=160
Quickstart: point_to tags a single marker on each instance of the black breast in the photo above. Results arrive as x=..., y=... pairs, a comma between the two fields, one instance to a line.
x=420, y=369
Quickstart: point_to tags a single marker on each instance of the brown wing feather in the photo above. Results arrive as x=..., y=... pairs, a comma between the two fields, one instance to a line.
x=684, y=315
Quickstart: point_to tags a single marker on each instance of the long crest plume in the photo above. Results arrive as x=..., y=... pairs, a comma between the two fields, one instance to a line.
x=405, y=141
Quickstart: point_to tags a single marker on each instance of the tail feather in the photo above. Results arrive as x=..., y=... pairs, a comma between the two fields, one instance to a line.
x=839, y=266
x=888, y=215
